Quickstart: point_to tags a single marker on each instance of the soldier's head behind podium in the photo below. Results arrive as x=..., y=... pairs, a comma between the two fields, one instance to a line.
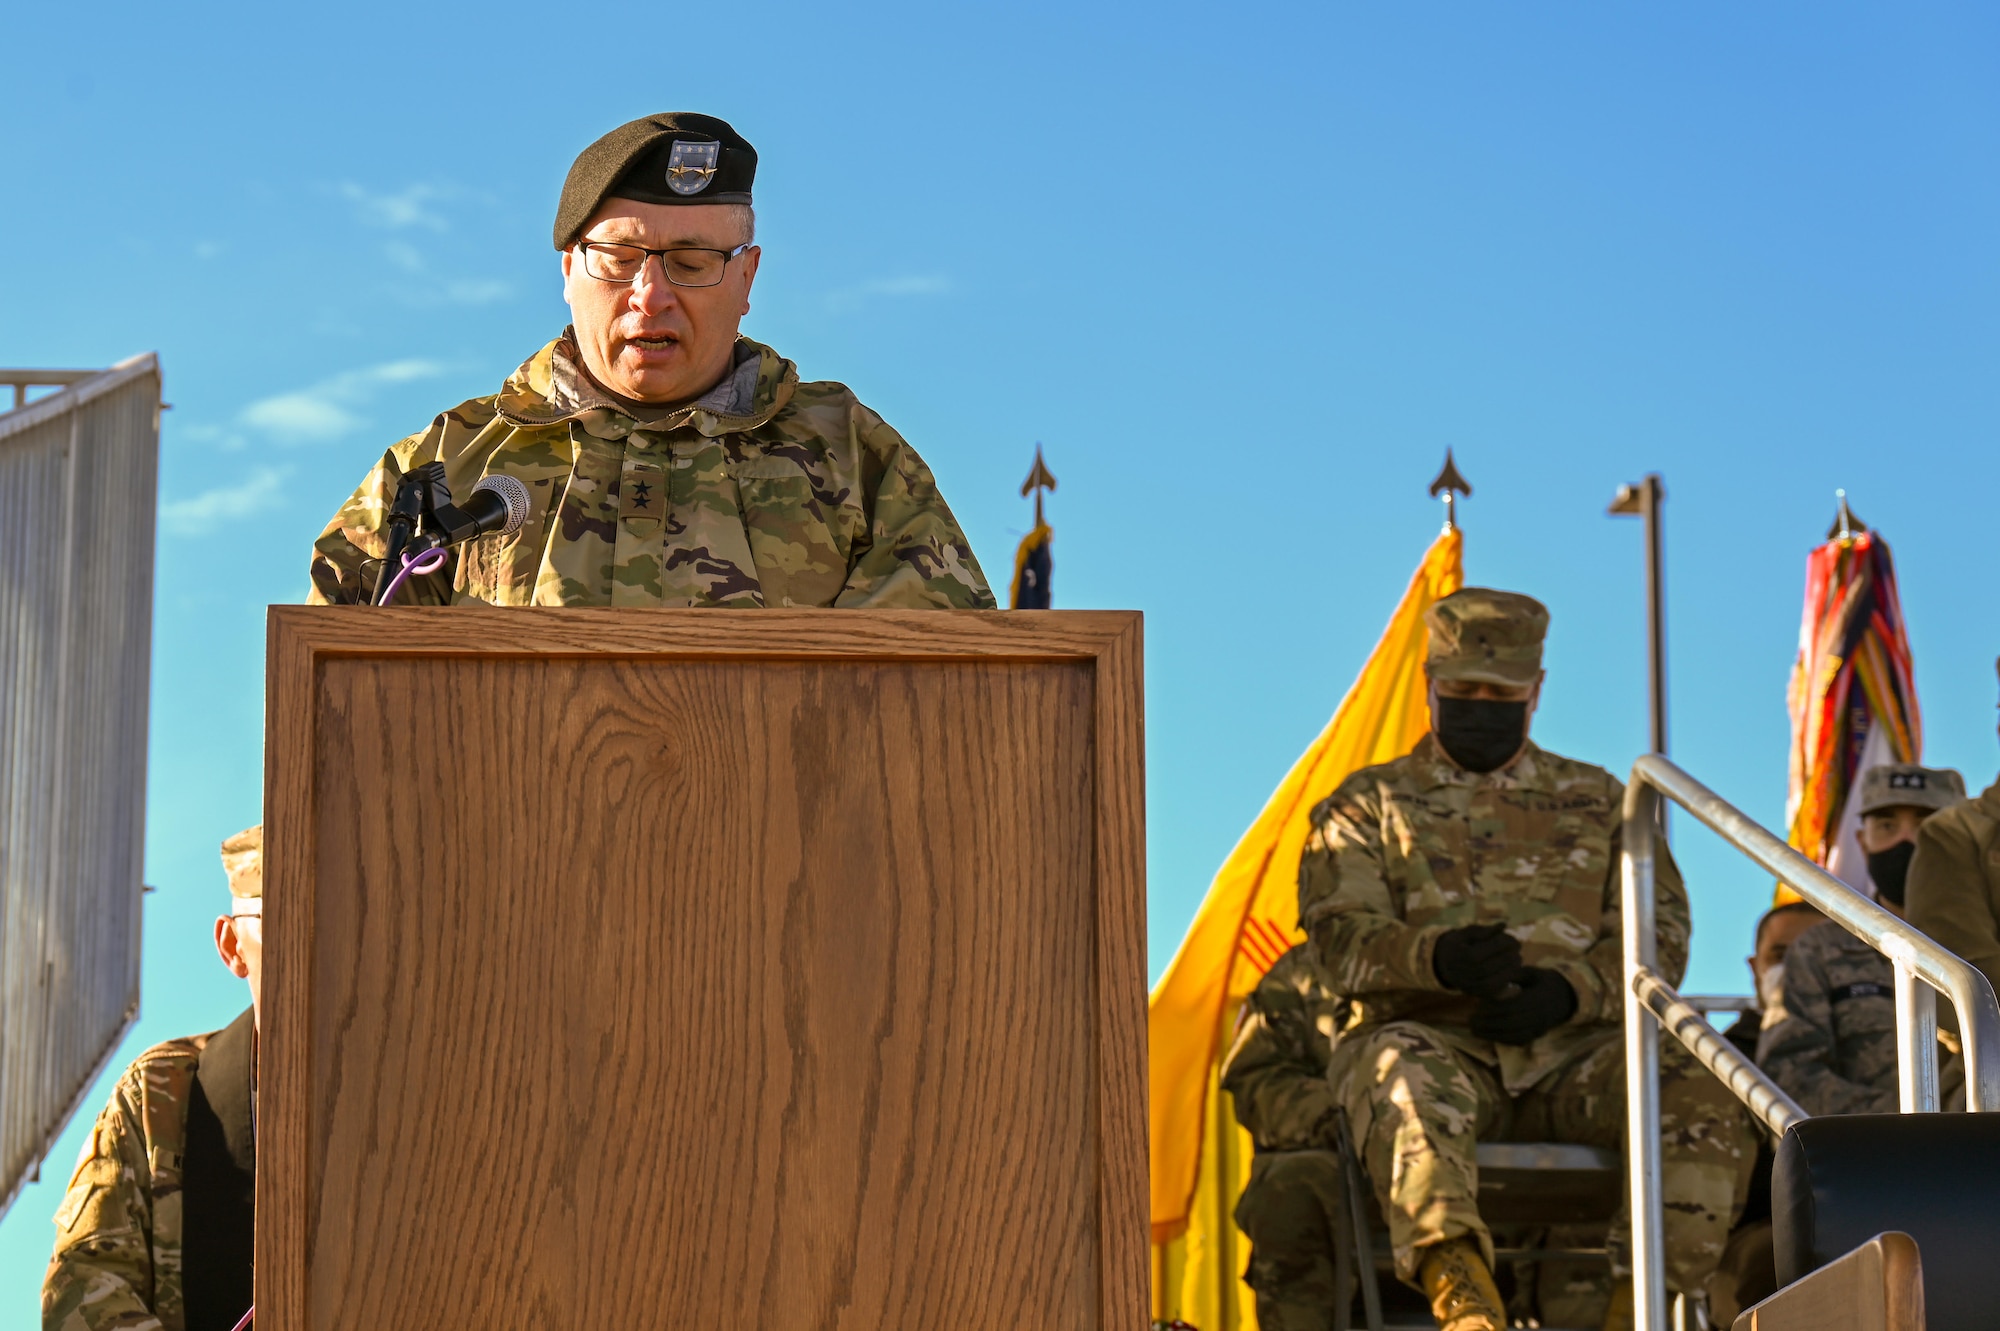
x=1484, y=665
x=666, y=459
x=239, y=935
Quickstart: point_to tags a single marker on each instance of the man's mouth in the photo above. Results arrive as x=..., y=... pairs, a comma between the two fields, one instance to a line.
x=654, y=343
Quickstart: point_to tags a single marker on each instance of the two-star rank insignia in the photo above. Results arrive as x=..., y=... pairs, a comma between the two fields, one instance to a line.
x=691, y=166
x=641, y=494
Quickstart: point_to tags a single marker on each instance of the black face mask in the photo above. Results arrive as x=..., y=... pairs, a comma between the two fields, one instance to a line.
x=1891, y=870
x=1481, y=734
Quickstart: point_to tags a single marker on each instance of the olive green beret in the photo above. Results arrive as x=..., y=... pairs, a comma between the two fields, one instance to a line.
x=675, y=157
x=1480, y=635
x=243, y=861
x=1894, y=785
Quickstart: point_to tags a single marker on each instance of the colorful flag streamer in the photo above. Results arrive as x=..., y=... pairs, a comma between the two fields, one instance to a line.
x=1853, y=698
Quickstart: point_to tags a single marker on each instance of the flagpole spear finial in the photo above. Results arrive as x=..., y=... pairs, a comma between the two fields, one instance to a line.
x=1845, y=525
x=1450, y=484
x=1039, y=479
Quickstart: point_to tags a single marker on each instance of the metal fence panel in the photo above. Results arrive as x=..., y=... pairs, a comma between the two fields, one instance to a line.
x=78, y=482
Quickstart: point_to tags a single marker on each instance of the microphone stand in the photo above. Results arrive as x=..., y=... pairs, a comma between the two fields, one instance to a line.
x=422, y=498
x=424, y=522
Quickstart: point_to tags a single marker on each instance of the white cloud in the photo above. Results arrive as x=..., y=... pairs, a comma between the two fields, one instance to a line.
x=393, y=372
x=907, y=286
x=198, y=516
x=404, y=256
x=846, y=298
x=424, y=289
x=399, y=211
x=327, y=410
x=304, y=417
x=477, y=291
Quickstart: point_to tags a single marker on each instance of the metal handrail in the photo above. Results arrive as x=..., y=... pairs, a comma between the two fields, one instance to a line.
x=23, y=380
x=1709, y=1003
x=1652, y=1003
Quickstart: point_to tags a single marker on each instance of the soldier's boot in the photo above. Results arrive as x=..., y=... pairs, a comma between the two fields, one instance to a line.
x=1455, y=1279
x=1621, y=1316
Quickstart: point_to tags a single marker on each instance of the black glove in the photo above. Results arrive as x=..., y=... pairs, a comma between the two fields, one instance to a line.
x=1479, y=959
x=1542, y=1001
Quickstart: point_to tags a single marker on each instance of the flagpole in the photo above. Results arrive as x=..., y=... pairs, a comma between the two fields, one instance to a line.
x=1450, y=484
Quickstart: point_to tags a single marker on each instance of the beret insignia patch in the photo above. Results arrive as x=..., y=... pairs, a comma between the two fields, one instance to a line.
x=690, y=166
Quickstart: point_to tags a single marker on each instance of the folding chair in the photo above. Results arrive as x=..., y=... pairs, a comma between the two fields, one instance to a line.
x=1522, y=1186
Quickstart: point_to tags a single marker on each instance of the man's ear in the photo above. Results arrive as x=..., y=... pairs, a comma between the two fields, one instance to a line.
x=568, y=266
x=751, y=258
x=228, y=949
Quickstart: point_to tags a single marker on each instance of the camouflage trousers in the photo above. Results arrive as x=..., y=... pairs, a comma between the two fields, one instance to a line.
x=1289, y=1212
x=1418, y=1104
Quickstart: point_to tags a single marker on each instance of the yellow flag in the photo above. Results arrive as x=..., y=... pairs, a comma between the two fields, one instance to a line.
x=1200, y=1158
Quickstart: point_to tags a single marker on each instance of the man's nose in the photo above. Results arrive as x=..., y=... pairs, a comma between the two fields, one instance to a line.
x=651, y=292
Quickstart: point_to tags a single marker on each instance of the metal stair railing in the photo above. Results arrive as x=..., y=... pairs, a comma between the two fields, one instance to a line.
x=1923, y=969
x=22, y=380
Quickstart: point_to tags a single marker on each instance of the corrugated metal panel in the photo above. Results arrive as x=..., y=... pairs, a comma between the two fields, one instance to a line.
x=78, y=480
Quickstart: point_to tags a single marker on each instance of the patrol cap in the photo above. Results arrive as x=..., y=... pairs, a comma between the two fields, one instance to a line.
x=674, y=157
x=1890, y=785
x=1484, y=636
x=243, y=861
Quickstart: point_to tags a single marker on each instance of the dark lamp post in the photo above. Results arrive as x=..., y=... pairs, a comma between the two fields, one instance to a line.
x=1643, y=500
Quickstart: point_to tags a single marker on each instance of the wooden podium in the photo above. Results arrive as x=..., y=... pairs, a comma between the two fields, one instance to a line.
x=703, y=969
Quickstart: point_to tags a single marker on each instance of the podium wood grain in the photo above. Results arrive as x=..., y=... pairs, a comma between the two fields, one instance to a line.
x=703, y=969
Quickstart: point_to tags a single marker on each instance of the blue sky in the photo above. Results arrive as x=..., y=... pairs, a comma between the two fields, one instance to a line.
x=1245, y=273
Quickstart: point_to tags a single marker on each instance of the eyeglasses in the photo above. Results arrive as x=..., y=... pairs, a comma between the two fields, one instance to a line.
x=684, y=267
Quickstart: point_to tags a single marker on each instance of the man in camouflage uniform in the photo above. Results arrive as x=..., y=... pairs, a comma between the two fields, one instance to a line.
x=1465, y=898
x=1954, y=883
x=667, y=461
x=1290, y=1209
x=1832, y=1043
x=1747, y=1272
x=156, y=1229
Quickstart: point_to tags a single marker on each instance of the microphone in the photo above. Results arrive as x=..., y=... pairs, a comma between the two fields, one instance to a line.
x=497, y=506
x=423, y=521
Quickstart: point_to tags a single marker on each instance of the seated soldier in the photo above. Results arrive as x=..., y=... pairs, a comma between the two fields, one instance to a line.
x=1954, y=884
x=1777, y=929
x=1747, y=1272
x=1276, y=1074
x=156, y=1227
x=1832, y=1045
x=1465, y=898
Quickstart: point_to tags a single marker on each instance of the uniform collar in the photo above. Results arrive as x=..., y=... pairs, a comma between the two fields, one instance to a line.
x=1989, y=800
x=1528, y=771
x=551, y=388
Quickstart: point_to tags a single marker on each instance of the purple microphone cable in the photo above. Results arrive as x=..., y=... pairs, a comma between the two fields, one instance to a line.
x=430, y=561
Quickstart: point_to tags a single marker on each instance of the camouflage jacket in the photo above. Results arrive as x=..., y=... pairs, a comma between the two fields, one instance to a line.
x=1832, y=1046
x=1954, y=887
x=122, y=1228
x=1407, y=850
x=1276, y=1070
x=764, y=492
